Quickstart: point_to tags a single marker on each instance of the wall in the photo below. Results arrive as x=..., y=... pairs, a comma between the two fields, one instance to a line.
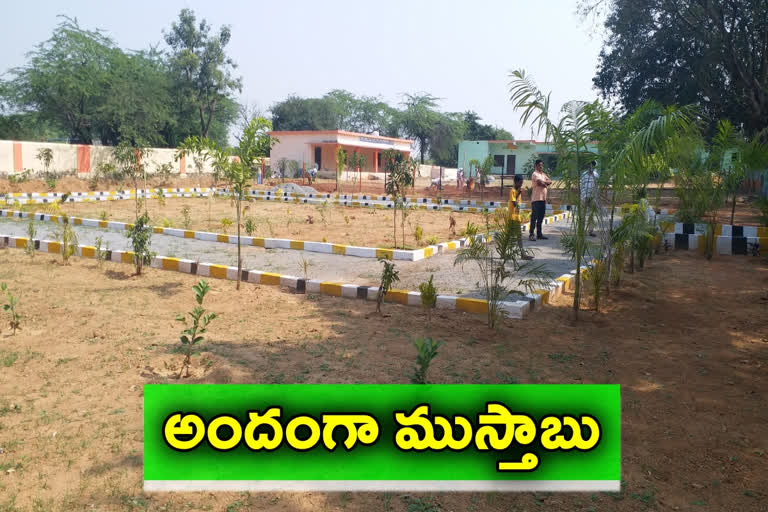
x=16, y=156
x=479, y=150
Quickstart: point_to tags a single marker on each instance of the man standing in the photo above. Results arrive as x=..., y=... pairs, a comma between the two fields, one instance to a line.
x=541, y=183
x=589, y=196
x=513, y=212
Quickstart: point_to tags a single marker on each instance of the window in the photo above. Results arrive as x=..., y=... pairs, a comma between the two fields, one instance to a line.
x=498, y=161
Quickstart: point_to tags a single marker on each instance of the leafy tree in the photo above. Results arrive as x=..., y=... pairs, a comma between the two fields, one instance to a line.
x=140, y=235
x=65, y=79
x=131, y=162
x=400, y=178
x=389, y=276
x=202, y=71
x=255, y=144
x=296, y=114
x=418, y=119
x=712, y=54
x=200, y=319
x=341, y=163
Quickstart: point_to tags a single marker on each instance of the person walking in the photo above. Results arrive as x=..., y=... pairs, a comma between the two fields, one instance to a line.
x=589, y=196
x=541, y=183
x=513, y=212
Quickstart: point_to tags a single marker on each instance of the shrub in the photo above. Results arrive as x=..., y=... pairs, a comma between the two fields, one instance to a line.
x=101, y=253
x=103, y=215
x=428, y=297
x=250, y=225
x=186, y=218
x=68, y=238
x=226, y=223
x=433, y=240
x=200, y=319
x=427, y=351
x=167, y=223
x=418, y=234
x=141, y=240
x=10, y=308
x=31, y=234
x=388, y=276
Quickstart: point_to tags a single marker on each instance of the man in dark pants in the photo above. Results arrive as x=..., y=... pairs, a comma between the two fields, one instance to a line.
x=541, y=183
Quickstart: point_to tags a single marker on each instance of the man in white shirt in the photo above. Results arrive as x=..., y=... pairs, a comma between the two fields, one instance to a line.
x=589, y=198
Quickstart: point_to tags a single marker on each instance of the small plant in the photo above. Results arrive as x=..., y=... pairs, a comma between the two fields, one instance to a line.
x=388, y=276
x=164, y=172
x=31, y=234
x=346, y=220
x=101, y=253
x=433, y=240
x=141, y=240
x=323, y=211
x=428, y=297
x=10, y=308
x=310, y=219
x=226, y=223
x=451, y=225
x=270, y=227
x=159, y=197
x=68, y=238
x=167, y=223
x=250, y=225
x=186, y=217
x=597, y=274
x=304, y=265
x=200, y=319
x=427, y=351
x=50, y=182
x=418, y=234
x=103, y=215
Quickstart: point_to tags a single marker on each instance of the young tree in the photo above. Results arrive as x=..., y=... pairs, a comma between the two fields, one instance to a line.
x=255, y=144
x=341, y=163
x=203, y=72
x=131, y=161
x=400, y=178
x=45, y=155
x=419, y=118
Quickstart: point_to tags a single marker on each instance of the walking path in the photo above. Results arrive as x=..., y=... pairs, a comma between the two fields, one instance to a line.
x=448, y=279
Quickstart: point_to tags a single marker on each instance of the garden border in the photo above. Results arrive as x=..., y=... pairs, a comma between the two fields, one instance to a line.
x=274, y=243
x=515, y=309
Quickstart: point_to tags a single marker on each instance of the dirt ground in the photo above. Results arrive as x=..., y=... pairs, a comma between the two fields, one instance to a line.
x=342, y=225
x=687, y=340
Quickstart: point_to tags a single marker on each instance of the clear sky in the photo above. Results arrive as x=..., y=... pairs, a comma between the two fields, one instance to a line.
x=459, y=51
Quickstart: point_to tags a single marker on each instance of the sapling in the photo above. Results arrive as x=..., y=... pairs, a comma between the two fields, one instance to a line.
x=101, y=253
x=199, y=325
x=304, y=265
x=31, y=234
x=427, y=351
x=10, y=308
x=418, y=234
x=141, y=240
x=226, y=223
x=68, y=238
x=428, y=297
x=186, y=218
x=250, y=225
x=388, y=276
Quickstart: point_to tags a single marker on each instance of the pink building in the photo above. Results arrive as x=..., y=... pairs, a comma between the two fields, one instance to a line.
x=318, y=148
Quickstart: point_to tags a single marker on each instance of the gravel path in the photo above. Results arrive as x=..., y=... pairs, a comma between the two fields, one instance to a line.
x=448, y=279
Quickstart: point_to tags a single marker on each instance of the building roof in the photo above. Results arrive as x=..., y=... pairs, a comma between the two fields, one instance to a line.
x=340, y=132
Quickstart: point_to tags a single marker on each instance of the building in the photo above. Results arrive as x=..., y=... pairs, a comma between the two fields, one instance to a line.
x=509, y=156
x=310, y=148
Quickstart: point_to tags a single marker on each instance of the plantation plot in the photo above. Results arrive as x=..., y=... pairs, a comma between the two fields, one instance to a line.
x=333, y=223
x=688, y=348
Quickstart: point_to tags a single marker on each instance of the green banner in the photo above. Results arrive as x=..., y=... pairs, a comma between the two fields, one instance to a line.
x=374, y=437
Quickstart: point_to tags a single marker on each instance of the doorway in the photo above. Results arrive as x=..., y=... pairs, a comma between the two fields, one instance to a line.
x=318, y=156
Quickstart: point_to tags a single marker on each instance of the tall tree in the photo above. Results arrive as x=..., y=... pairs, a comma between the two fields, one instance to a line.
x=418, y=119
x=65, y=79
x=202, y=70
x=713, y=54
x=296, y=114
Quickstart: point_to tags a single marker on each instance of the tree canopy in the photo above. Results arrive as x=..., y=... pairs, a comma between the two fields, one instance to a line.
x=712, y=54
x=79, y=85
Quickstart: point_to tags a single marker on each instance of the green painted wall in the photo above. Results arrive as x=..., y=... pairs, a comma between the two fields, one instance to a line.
x=479, y=150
